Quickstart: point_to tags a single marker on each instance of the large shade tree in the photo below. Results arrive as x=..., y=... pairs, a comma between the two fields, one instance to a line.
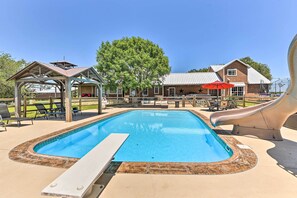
x=260, y=67
x=132, y=63
x=8, y=67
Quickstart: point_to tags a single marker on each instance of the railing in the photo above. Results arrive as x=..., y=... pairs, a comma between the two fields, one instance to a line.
x=28, y=108
x=85, y=103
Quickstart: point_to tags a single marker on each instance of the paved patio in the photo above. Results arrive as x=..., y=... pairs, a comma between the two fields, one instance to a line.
x=273, y=176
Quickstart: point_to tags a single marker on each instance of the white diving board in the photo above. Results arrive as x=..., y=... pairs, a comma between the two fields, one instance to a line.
x=78, y=180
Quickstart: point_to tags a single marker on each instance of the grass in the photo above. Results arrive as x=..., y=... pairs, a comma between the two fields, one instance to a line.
x=248, y=103
x=31, y=110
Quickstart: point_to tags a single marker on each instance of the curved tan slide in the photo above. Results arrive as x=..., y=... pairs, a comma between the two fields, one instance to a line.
x=264, y=120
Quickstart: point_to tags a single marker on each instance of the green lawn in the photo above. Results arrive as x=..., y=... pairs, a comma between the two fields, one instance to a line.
x=31, y=110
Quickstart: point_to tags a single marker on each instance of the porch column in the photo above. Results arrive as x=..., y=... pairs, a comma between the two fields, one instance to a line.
x=99, y=87
x=79, y=91
x=62, y=95
x=17, y=99
x=68, y=102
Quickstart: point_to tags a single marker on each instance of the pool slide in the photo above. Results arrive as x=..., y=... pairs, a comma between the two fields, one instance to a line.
x=264, y=120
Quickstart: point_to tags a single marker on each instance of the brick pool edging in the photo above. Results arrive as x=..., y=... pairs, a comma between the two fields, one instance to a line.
x=241, y=160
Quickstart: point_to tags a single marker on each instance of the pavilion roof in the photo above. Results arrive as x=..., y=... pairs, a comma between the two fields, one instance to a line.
x=38, y=69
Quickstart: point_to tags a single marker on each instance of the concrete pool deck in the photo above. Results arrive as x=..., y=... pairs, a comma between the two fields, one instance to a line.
x=273, y=176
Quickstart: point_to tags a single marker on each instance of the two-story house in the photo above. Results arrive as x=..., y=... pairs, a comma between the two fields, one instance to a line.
x=247, y=82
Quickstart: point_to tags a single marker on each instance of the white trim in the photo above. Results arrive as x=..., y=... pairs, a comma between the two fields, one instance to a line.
x=238, y=84
x=158, y=89
x=243, y=91
x=231, y=70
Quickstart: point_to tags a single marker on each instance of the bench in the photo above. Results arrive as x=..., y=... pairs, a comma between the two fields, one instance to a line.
x=78, y=180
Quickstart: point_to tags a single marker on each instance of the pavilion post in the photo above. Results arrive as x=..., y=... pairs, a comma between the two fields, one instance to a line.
x=99, y=87
x=17, y=99
x=25, y=106
x=68, y=102
x=62, y=94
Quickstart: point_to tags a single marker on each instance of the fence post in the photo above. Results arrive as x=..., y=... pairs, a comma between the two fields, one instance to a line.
x=79, y=103
x=184, y=101
x=194, y=101
x=51, y=102
x=243, y=103
x=25, y=106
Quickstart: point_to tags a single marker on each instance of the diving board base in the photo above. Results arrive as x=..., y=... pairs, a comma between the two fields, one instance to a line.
x=96, y=191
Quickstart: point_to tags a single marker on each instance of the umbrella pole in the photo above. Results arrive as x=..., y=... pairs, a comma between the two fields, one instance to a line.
x=217, y=99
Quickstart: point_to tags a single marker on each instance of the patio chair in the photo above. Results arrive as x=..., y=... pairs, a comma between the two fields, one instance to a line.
x=232, y=104
x=60, y=108
x=2, y=123
x=211, y=106
x=41, y=110
x=7, y=116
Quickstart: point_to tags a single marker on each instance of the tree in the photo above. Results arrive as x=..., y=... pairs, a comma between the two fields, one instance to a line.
x=260, y=67
x=8, y=67
x=132, y=63
x=198, y=70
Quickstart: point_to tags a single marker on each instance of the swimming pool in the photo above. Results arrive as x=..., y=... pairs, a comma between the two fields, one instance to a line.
x=155, y=136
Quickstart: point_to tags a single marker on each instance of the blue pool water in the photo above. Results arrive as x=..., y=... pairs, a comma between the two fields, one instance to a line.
x=155, y=136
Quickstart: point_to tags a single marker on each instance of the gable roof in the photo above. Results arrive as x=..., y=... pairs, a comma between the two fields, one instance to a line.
x=196, y=78
x=67, y=73
x=254, y=77
x=216, y=68
x=219, y=67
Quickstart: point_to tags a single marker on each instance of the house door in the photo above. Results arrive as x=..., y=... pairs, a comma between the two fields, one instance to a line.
x=171, y=91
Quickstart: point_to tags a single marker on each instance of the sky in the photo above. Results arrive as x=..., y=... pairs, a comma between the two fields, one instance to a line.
x=193, y=33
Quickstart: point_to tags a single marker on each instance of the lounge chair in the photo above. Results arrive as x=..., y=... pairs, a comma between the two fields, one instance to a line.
x=7, y=116
x=60, y=108
x=41, y=110
x=2, y=123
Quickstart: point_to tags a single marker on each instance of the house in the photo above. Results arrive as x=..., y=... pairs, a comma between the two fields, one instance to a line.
x=247, y=82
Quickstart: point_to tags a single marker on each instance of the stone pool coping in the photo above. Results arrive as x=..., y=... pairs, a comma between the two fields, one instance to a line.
x=242, y=159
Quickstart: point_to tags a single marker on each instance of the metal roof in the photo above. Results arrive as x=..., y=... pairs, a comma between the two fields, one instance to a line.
x=254, y=77
x=72, y=72
x=196, y=78
x=216, y=68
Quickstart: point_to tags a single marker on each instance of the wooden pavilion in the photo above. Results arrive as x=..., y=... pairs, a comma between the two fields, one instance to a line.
x=62, y=74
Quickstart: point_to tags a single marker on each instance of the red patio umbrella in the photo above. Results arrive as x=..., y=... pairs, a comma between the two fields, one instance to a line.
x=217, y=85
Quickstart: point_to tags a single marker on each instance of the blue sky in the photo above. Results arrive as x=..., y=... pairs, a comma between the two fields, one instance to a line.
x=192, y=33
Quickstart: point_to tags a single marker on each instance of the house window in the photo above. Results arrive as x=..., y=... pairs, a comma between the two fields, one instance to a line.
x=156, y=90
x=120, y=91
x=132, y=92
x=171, y=91
x=145, y=92
x=231, y=72
x=237, y=91
x=213, y=92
